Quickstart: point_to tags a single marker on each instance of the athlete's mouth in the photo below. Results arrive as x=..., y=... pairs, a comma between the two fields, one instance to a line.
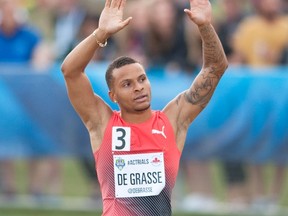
x=141, y=97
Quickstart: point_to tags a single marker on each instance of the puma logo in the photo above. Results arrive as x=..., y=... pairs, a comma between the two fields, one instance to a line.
x=154, y=131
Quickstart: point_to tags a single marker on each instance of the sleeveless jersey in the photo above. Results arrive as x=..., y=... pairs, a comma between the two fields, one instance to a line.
x=137, y=166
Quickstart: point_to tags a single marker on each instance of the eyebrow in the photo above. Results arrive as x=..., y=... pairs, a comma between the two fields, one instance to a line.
x=141, y=75
x=128, y=80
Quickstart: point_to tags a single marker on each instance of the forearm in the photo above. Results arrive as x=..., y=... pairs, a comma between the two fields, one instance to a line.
x=213, y=54
x=77, y=60
x=214, y=65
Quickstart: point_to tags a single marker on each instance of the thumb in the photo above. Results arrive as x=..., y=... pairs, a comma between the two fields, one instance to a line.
x=188, y=12
x=126, y=22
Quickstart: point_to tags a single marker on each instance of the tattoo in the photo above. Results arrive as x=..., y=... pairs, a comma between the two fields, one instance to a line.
x=202, y=89
x=214, y=66
x=213, y=53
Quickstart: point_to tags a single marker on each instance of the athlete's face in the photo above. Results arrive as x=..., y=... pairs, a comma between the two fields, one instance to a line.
x=131, y=88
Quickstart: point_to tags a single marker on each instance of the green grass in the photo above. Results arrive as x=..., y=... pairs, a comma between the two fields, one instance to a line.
x=76, y=184
x=75, y=180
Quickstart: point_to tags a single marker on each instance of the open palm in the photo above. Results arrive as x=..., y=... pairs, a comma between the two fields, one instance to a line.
x=200, y=11
x=111, y=19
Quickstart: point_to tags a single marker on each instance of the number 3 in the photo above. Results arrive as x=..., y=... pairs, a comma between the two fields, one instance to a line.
x=121, y=138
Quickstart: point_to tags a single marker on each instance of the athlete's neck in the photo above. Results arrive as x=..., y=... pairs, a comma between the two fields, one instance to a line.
x=137, y=117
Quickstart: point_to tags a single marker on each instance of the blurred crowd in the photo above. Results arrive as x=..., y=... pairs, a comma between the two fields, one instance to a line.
x=160, y=34
x=253, y=32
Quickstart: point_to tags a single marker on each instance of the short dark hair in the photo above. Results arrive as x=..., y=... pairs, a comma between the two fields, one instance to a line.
x=117, y=63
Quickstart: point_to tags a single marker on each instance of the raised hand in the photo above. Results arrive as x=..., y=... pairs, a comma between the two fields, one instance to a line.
x=200, y=12
x=111, y=19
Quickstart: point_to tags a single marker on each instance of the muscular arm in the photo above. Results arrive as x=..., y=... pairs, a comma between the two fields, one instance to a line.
x=80, y=91
x=186, y=106
x=93, y=111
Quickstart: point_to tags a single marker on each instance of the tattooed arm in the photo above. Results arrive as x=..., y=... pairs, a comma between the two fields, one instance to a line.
x=214, y=65
x=186, y=106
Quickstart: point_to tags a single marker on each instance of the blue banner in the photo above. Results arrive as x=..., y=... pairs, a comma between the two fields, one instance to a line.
x=245, y=120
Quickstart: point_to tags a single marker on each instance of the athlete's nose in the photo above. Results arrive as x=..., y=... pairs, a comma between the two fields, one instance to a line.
x=138, y=86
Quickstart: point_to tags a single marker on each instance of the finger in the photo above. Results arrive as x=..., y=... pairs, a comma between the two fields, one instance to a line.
x=188, y=12
x=115, y=3
x=122, y=4
x=126, y=22
x=108, y=3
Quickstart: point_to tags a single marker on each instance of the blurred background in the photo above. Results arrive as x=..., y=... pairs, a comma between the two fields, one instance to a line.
x=235, y=156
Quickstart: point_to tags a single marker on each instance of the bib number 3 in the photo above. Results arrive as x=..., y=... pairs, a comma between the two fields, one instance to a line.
x=121, y=138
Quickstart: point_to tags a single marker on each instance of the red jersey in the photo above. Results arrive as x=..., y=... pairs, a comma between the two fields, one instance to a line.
x=137, y=166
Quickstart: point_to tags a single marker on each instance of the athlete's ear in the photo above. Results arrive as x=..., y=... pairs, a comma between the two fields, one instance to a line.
x=112, y=96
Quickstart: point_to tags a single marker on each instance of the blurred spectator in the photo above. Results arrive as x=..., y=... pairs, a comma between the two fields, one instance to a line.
x=42, y=15
x=233, y=12
x=69, y=17
x=132, y=40
x=166, y=45
x=260, y=41
x=18, y=41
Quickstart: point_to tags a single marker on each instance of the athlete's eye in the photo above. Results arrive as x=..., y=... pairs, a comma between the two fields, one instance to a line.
x=126, y=84
x=142, y=79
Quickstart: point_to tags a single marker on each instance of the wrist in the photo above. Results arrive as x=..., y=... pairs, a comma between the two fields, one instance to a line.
x=204, y=25
x=101, y=37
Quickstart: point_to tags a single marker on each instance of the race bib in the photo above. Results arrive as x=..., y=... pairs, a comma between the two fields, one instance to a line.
x=139, y=175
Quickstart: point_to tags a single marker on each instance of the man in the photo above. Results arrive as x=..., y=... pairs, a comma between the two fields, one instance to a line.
x=137, y=150
x=18, y=39
x=260, y=40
